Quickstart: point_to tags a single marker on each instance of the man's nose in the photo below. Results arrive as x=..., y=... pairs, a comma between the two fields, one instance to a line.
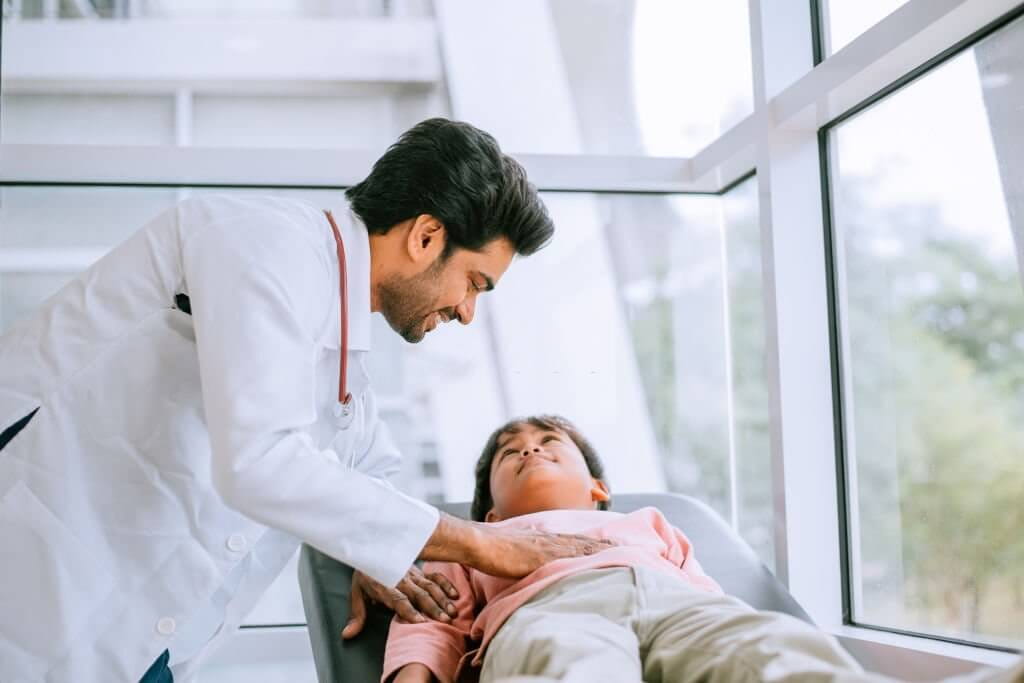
x=466, y=310
x=527, y=451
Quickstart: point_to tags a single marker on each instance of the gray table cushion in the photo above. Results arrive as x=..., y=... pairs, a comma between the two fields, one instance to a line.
x=325, y=585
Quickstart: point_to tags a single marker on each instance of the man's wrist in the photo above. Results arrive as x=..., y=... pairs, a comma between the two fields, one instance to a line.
x=454, y=540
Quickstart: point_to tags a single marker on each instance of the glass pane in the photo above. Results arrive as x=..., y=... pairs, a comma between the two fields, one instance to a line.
x=846, y=19
x=750, y=427
x=663, y=99
x=930, y=240
x=625, y=77
x=689, y=271
x=572, y=76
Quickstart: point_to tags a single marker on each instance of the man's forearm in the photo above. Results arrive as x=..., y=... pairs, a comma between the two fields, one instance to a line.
x=454, y=540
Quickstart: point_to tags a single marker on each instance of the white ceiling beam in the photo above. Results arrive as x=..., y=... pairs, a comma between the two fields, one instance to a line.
x=92, y=164
x=153, y=52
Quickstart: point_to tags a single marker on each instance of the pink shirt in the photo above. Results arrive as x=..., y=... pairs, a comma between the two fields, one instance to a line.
x=644, y=537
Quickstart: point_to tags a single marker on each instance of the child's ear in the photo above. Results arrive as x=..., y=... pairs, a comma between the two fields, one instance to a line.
x=599, y=492
x=492, y=516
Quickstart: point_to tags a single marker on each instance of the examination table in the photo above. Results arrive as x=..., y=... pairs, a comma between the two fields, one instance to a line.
x=325, y=585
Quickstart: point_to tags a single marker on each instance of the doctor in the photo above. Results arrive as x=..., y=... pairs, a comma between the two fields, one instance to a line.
x=179, y=417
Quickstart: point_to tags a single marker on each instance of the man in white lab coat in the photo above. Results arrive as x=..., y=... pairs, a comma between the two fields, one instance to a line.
x=170, y=421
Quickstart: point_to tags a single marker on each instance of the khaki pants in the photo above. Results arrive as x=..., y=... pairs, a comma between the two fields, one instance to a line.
x=622, y=625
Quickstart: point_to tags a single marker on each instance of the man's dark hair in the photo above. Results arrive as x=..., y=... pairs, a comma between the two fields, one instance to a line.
x=482, y=499
x=456, y=173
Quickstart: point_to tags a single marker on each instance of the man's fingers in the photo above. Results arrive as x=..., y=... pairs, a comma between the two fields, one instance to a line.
x=442, y=581
x=405, y=611
x=357, y=612
x=437, y=594
x=423, y=600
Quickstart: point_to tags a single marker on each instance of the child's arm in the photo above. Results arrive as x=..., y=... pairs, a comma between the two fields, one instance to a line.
x=436, y=647
x=414, y=673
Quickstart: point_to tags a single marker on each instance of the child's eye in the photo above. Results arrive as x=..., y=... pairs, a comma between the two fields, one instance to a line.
x=549, y=438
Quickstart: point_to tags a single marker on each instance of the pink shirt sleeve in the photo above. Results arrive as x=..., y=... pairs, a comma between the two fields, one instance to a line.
x=435, y=644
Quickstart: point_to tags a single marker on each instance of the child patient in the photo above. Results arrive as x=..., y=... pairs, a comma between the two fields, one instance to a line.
x=641, y=610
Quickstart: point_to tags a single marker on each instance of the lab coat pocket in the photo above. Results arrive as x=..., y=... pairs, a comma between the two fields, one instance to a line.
x=52, y=583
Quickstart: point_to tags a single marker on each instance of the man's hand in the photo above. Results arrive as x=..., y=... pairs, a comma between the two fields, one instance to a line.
x=499, y=551
x=416, y=594
x=515, y=553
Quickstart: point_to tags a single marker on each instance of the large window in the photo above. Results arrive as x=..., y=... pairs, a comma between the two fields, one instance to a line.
x=690, y=278
x=353, y=74
x=929, y=227
x=669, y=387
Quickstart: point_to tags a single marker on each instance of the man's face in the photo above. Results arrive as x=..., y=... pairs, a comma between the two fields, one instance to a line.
x=445, y=291
x=536, y=469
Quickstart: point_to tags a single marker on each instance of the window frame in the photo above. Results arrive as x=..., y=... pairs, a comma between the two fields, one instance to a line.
x=839, y=341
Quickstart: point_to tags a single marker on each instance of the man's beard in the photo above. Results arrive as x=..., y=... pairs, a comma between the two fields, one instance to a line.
x=406, y=303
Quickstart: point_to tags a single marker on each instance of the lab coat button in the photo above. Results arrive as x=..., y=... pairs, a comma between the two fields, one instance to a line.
x=165, y=626
x=236, y=543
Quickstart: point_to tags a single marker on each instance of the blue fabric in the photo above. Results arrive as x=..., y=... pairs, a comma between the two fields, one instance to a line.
x=159, y=672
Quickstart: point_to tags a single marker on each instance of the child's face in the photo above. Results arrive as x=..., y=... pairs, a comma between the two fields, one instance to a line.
x=536, y=469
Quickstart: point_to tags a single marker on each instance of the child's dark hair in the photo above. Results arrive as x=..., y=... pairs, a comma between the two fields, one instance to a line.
x=482, y=499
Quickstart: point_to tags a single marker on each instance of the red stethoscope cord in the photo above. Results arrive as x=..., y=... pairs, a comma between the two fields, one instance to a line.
x=343, y=396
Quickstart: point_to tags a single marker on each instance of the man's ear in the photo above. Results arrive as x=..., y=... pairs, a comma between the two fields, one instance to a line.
x=492, y=516
x=426, y=239
x=599, y=492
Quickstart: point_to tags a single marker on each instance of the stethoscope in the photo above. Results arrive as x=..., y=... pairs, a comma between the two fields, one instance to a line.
x=344, y=397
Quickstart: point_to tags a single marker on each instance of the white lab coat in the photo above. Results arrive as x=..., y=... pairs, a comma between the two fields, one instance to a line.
x=171, y=450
